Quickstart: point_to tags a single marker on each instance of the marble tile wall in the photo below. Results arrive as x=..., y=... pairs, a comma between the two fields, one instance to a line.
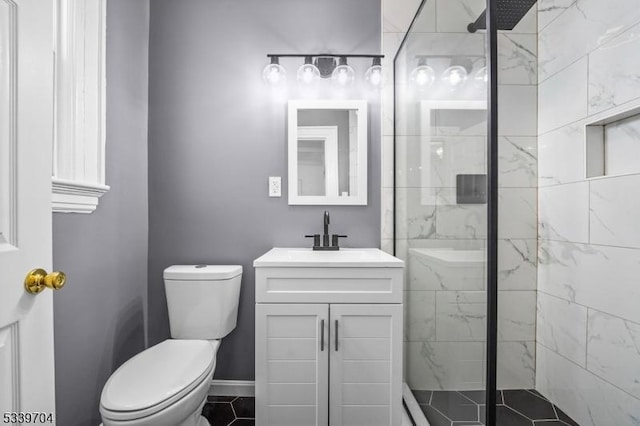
x=442, y=241
x=588, y=321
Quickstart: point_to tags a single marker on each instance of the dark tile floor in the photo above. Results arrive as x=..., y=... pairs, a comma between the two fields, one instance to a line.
x=467, y=408
x=442, y=408
x=230, y=410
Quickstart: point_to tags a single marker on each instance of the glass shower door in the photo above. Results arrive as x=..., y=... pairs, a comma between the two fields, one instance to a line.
x=447, y=195
x=441, y=210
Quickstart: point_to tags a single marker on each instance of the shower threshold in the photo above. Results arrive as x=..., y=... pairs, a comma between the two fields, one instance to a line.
x=413, y=414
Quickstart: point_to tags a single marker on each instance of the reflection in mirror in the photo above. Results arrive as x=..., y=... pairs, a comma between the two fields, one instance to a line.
x=317, y=160
x=327, y=152
x=443, y=158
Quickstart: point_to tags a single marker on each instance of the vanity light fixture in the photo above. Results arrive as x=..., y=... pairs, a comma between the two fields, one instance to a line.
x=457, y=71
x=322, y=65
x=308, y=73
x=374, y=76
x=343, y=75
x=481, y=77
x=274, y=74
x=455, y=76
x=423, y=75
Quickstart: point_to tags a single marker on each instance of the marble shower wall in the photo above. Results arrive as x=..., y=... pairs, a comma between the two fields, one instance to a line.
x=443, y=242
x=588, y=335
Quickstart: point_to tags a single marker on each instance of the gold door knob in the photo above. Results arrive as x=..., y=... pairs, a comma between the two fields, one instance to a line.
x=38, y=279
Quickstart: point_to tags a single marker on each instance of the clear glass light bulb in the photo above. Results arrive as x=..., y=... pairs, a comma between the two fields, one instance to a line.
x=308, y=74
x=373, y=76
x=343, y=75
x=423, y=76
x=481, y=76
x=455, y=76
x=274, y=75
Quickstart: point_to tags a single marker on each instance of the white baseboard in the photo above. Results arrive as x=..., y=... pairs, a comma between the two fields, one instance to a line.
x=232, y=388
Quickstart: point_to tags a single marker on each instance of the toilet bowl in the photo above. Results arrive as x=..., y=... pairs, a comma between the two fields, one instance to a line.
x=167, y=384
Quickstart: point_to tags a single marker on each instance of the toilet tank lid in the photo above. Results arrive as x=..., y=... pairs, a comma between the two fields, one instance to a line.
x=202, y=272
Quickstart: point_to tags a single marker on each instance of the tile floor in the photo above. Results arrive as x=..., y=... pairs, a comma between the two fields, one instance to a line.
x=515, y=408
x=442, y=408
x=230, y=410
x=238, y=411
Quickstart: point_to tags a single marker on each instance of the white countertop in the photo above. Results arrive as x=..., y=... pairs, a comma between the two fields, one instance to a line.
x=343, y=258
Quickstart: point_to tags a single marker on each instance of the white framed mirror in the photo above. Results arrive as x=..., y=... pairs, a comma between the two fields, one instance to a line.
x=327, y=152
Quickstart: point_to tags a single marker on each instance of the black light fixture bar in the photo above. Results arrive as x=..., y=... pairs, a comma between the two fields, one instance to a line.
x=316, y=55
x=448, y=56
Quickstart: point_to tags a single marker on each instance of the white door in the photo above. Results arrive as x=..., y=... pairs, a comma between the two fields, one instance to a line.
x=292, y=368
x=26, y=129
x=365, y=365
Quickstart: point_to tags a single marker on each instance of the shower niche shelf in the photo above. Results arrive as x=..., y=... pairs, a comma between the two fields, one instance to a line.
x=612, y=145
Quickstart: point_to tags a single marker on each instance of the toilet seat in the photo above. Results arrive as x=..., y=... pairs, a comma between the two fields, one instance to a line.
x=157, y=378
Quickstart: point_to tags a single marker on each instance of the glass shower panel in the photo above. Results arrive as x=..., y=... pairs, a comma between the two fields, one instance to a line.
x=441, y=210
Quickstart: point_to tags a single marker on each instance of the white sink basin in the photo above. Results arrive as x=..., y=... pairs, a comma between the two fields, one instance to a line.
x=345, y=257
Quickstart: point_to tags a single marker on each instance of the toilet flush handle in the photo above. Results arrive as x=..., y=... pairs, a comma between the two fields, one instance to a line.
x=38, y=279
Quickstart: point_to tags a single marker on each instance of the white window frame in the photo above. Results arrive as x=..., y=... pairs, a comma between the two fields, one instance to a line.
x=78, y=179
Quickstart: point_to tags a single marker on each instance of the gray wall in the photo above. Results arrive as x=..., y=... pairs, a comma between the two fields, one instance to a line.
x=216, y=134
x=100, y=314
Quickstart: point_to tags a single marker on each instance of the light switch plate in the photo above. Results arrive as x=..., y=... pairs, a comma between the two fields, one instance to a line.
x=275, y=186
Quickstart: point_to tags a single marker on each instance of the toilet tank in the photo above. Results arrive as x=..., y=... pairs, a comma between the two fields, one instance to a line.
x=202, y=300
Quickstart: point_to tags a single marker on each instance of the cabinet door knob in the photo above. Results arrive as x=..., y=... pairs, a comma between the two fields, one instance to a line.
x=336, y=335
x=321, y=335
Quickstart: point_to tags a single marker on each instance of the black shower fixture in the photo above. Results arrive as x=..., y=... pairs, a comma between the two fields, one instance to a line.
x=510, y=12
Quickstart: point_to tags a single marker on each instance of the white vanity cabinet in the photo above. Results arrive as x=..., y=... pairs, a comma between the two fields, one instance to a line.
x=292, y=380
x=323, y=358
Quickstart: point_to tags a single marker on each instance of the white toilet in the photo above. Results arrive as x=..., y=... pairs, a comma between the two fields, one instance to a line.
x=167, y=384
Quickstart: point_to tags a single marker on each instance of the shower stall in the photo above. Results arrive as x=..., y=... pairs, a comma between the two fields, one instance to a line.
x=516, y=168
x=465, y=207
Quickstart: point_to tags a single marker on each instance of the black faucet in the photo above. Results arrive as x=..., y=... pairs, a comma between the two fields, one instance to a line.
x=325, y=237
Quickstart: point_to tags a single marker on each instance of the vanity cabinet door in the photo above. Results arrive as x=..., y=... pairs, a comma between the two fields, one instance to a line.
x=366, y=365
x=292, y=364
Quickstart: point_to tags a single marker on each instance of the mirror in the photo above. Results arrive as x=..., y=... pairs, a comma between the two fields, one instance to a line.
x=327, y=150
